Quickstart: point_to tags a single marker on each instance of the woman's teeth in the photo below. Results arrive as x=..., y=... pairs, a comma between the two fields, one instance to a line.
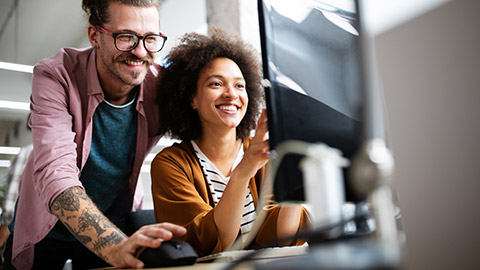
x=228, y=108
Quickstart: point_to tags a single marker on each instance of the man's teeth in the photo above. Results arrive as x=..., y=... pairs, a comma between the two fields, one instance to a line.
x=228, y=108
x=135, y=63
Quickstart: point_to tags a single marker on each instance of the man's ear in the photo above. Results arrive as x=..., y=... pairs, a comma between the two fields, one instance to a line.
x=93, y=36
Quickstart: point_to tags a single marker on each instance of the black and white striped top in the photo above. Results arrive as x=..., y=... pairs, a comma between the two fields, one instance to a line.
x=217, y=183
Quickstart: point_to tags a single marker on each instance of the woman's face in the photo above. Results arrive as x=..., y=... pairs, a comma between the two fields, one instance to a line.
x=221, y=98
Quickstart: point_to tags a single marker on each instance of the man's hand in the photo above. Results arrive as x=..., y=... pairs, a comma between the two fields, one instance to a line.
x=87, y=223
x=125, y=253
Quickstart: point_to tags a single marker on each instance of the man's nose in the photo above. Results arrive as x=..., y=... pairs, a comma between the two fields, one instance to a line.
x=140, y=50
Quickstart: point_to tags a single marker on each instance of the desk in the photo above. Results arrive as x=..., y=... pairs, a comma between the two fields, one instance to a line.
x=353, y=254
x=221, y=260
x=197, y=266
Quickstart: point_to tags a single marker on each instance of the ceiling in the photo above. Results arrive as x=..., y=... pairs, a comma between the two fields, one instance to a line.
x=30, y=31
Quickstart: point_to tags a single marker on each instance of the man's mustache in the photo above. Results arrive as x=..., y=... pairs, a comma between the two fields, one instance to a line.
x=131, y=57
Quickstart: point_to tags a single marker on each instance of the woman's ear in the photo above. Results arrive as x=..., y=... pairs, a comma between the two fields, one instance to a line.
x=192, y=103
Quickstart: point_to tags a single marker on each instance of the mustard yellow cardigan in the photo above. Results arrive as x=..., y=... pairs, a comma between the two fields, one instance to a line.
x=181, y=196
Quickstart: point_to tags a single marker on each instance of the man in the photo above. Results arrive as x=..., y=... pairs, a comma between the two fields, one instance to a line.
x=93, y=120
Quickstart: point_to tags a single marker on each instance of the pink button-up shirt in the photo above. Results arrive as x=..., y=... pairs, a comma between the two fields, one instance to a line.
x=65, y=93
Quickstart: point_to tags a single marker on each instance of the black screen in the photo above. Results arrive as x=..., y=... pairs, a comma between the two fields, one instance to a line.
x=311, y=57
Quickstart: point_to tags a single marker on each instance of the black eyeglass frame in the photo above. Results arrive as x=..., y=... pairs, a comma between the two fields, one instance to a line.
x=139, y=37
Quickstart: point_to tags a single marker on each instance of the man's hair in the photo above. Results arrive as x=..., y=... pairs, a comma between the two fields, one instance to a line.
x=97, y=10
x=178, y=83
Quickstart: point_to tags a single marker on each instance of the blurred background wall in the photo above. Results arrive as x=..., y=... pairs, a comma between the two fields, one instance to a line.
x=430, y=69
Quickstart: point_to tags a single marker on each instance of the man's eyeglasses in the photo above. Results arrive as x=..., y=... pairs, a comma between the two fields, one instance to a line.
x=126, y=42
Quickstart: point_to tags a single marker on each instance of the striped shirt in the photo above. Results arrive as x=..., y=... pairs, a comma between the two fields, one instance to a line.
x=217, y=183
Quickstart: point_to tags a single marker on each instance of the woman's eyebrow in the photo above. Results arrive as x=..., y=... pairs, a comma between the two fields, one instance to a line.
x=221, y=77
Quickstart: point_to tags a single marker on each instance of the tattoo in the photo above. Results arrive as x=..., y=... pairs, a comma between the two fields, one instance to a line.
x=87, y=220
x=113, y=239
x=67, y=207
x=84, y=239
x=69, y=227
x=67, y=201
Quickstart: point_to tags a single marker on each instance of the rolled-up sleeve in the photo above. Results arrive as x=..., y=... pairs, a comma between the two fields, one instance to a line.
x=180, y=197
x=55, y=163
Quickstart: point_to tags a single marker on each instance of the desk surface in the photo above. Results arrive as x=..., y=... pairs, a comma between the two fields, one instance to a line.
x=342, y=255
x=197, y=266
x=221, y=260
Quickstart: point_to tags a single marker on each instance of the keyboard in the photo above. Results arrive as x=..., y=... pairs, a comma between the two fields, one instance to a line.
x=261, y=254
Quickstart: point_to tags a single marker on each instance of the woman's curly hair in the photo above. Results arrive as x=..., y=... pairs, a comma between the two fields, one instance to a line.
x=178, y=83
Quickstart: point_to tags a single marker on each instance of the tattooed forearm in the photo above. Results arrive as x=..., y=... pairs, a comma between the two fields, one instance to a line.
x=89, y=220
x=67, y=201
x=85, y=221
x=84, y=239
x=113, y=239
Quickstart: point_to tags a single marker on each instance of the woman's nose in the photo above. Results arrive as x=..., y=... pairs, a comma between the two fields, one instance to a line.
x=230, y=92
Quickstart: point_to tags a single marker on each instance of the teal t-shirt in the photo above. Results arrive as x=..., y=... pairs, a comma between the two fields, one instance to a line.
x=109, y=164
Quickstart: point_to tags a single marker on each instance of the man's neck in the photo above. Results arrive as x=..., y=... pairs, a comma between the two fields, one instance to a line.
x=120, y=97
x=116, y=92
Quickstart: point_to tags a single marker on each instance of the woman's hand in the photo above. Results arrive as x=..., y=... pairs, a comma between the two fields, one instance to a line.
x=257, y=154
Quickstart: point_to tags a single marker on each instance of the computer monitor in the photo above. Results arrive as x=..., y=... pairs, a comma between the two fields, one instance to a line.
x=311, y=57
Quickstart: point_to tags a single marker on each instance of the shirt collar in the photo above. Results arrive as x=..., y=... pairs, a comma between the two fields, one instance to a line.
x=93, y=82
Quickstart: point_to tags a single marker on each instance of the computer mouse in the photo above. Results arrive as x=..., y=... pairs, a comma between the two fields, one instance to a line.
x=169, y=253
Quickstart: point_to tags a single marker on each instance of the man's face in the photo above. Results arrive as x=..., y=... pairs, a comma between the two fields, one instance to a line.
x=126, y=68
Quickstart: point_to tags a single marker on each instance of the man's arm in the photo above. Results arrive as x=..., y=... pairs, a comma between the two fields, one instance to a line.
x=83, y=219
x=87, y=223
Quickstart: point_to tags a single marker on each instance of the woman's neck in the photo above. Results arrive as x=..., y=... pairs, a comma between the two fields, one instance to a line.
x=221, y=149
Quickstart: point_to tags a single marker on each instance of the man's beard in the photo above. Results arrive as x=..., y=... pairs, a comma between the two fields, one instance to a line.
x=134, y=74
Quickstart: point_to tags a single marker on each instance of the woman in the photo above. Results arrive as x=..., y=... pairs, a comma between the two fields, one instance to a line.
x=210, y=96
